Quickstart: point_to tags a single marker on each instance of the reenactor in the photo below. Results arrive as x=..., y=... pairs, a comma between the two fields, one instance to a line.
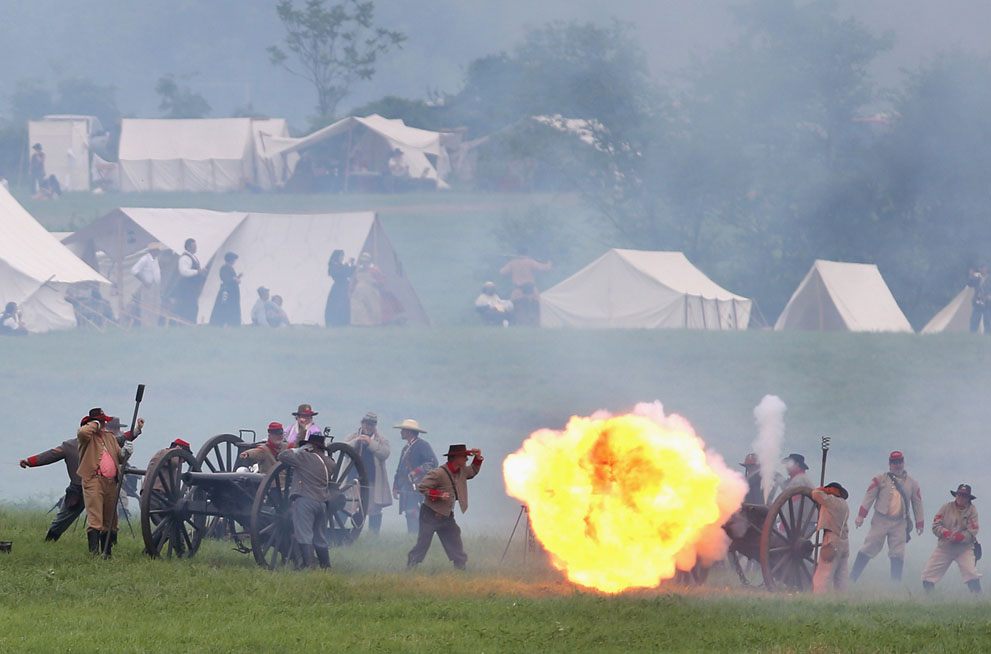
x=796, y=468
x=751, y=468
x=374, y=449
x=890, y=493
x=309, y=495
x=71, y=504
x=955, y=525
x=302, y=427
x=100, y=460
x=266, y=455
x=834, y=514
x=442, y=487
x=415, y=461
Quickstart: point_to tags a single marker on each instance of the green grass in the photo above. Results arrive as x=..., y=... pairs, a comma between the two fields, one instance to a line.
x=55, y=597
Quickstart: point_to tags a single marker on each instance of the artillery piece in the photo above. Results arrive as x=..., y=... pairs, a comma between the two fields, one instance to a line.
x=186, y=499
x=779, y=537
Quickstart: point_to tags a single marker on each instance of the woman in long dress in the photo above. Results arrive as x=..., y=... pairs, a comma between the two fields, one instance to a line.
x=227, y=307
x=338, y=311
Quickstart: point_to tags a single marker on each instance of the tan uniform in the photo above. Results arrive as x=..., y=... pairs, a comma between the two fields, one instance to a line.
x=264, y=457
x=959, y=546
x=890, y=514
x=801, y=480
x=99, y=492
x=834, y=514
x=381, y=491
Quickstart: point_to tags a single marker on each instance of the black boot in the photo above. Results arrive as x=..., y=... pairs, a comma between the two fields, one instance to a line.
x=928, y=586
x=306, y=554
x=975, y=586
x=51, y=536
x=93, y=540
x=107, y=543
x=375, y=523
x=896, y=569
x=859, y=565
x=323, y=556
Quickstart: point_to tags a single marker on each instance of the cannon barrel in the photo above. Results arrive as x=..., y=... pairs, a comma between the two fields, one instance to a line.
x=207, y=478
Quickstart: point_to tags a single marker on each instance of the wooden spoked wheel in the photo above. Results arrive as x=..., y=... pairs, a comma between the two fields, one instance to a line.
x=786, y=548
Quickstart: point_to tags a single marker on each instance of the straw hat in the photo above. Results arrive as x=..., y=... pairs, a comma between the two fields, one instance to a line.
x=411, y=425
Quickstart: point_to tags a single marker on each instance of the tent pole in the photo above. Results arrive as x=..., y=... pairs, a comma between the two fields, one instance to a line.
x=120, y=266
x=347, y=160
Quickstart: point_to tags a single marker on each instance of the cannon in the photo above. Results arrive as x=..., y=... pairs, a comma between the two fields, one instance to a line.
x=779, y=538
x=187, y=498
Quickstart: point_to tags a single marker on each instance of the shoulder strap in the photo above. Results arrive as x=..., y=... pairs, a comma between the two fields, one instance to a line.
x=453, y=485
x=326, y=473
x=898, y=487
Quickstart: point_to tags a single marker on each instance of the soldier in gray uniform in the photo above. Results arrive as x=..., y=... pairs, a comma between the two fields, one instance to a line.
x=309, y=495
x=890, y=493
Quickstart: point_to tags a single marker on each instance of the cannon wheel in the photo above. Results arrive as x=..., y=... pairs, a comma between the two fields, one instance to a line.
x=786, y=548
x=165, y=527
x=350, y=492
x=271, y=520
x=220, y=454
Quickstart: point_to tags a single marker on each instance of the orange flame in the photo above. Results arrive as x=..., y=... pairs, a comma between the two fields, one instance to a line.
x=621, y=502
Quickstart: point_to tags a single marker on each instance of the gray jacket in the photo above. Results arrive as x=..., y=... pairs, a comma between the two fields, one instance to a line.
x=311, y=471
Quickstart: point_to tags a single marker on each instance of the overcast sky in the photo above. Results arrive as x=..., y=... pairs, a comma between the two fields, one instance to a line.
x=130, y=44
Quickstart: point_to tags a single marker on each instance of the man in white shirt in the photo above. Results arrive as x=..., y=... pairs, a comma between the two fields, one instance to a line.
x=262, y=311
x=493, y=309
x=149, y=296
x=189, y=283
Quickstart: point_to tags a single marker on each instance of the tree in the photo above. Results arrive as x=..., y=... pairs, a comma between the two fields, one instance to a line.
x=180, y=101
x=334, y=46
x=81, y=95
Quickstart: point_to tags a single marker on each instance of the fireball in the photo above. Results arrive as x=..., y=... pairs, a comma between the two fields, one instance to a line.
x=621, y=502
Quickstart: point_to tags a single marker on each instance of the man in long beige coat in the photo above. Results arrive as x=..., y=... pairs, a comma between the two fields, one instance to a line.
x=100, y=461
x=891, y=493
x=956, y=526
x=374, y=449
x=834, y=513
x=442, y=487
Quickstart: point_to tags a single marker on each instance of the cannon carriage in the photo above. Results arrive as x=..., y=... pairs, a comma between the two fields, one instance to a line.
x=779, y=537
x=187, y=498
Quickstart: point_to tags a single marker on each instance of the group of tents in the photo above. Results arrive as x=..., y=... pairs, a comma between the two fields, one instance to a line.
x=50, y=277
x=230, y=154
x=649, y=290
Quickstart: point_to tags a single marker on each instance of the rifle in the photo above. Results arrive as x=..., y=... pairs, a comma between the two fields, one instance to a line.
x=138, y=396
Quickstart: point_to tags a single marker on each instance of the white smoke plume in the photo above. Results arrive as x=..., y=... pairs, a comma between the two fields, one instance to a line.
x=770, y=418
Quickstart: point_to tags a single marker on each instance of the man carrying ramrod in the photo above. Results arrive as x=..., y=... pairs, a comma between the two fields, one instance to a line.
x=890, y=493
x=101, y=458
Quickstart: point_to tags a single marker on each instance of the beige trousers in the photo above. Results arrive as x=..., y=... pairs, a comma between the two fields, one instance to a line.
x=885, y=528
x=947, y=553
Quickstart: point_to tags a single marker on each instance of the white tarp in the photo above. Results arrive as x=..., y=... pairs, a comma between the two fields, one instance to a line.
x=286, y=252
x=65, y=142
x=642, y=289
x=215, y=154
x=378, y=138
x=843, y=296
x=36, y=271
x=955, y=316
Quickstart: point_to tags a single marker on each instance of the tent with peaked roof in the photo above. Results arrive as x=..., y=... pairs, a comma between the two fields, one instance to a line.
x=642, y=289
x=366, y=143
x=36, y=271
x=287, y=253
x=955, y=316
x=202, y=154
x=843, y=296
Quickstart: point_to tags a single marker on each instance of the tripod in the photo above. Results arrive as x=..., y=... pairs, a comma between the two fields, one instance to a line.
x=529, y=542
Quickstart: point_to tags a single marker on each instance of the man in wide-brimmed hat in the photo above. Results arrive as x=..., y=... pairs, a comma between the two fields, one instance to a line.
x=299, y=430
x=100, y=460
x=890, y=493
x=751, y=468
x=374, y=449
x=266, y=454
x=955, y=525
x=834, y=514
x=309, y=495
x=415, y=461
x=795, y=468
x=442, y=487
x=71, y=503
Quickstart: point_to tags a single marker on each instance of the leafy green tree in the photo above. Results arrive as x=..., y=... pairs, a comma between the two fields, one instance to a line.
x=333, y=46
x=180, y=101
x=29, y=100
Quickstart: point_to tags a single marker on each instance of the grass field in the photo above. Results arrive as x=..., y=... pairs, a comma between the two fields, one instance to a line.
x=55, y=598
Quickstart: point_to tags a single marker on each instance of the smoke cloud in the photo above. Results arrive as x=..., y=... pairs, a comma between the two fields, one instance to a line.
x=770, y=418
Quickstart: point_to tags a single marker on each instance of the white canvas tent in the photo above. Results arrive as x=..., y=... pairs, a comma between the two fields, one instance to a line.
x=369, y=140
x=66, y=143
x=36, y=271
x=955, y=316
x=642, y=289
x=288, y=253
x=219, y=154
x=843, y=296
